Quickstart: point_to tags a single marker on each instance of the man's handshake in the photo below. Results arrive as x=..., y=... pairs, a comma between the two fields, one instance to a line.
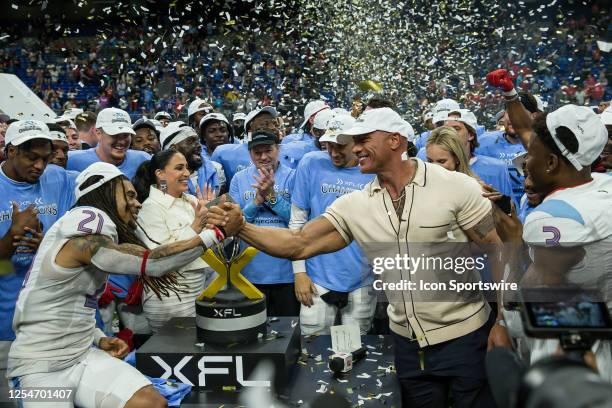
x=227, y=216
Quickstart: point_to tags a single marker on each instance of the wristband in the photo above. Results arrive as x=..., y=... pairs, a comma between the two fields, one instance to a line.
x=209, y=238
x=511, y=94
x=98, y=334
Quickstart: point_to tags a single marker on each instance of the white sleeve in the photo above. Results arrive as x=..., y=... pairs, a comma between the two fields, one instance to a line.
x=296, y=222
x=542, y=229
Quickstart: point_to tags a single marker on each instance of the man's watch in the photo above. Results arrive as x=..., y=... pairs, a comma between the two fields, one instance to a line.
x=271, y=198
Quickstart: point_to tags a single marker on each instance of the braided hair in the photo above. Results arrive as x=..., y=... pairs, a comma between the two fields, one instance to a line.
x=103, y=198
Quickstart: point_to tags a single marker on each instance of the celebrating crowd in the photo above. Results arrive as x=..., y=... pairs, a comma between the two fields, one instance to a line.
x=221, y=134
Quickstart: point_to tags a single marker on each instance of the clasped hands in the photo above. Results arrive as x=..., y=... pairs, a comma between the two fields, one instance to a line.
x=227, y=216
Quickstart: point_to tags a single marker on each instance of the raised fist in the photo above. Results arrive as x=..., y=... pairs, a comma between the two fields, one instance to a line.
x=500, y=78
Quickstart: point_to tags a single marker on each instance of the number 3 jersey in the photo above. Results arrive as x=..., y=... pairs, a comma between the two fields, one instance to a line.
x=55, y=314
x=578, y=216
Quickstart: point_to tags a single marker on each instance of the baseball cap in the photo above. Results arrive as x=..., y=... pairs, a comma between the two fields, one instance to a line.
x=383, y=119
x=312, y=108
x=213, y=116
x=57, y=135
x=67, y=120
x=606, y=116
x=175, y=133
x=465, y=116
x=427, y=116
x=72, y=113
x=239, y=116
x=262, y=137
x=588, y=128
x=499, y=115
x=4, y=118
x=144, y=122
x=106, y=170
x=443, y=108
x=252, y=114
x=335, y=127
x=321, y=119
x=23, y=130
x=162, y=114
x=340, y=111
x=198, y=105
x=114, y=121
x=519, y=161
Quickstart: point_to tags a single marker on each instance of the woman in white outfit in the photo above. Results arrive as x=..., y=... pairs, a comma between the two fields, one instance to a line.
x=168, y=215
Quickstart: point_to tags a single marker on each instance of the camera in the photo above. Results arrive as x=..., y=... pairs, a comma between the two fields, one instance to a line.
x=575, y=316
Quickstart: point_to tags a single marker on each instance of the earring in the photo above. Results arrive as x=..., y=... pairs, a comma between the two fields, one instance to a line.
x=163, y=186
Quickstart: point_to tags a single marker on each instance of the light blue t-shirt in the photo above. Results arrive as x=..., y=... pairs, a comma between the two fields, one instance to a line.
x=233, y=158
x=524, y=209
x=318, y=183
x=79, y=160
x=421, y=140
x=493, y=172
x=498, y=147
x=53, y=195
x=265, y=269
x=298, y=137
x=207, y=174
x=291, y=153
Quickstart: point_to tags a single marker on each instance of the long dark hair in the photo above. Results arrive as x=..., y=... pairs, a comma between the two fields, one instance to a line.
x=145, y=174
x=103, y=198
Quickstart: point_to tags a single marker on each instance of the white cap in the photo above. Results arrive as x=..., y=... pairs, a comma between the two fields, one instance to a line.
x=588, y=128
x=443, y=108
x=466, y=116
x=157, y=124
x=24, y=130
x=312, y=108
x=114, y=121
x=57, y=135
x=335, y=127
x=213, y=116
x=239, y=116
x=539, y=103
x=65, y=119
x=321, y=119
x=606, y=116
x=162, y=114
x=340, y=111
x=106, y=170
x=519, y=161
x=427, y=116
x=255, y=112
x=175, y=133
x=383, y=119
x=72, y=113
x=198, y=105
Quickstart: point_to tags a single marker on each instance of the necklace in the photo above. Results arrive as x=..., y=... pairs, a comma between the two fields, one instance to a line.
x=400, y=197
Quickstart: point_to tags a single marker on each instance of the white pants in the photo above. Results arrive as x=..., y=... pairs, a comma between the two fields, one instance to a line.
x=132, y=317
x=99, y=381
x=318, y=318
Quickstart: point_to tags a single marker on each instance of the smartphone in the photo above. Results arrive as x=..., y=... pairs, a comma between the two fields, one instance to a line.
x=505, y=204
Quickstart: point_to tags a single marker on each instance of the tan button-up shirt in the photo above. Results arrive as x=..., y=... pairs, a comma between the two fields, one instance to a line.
x=439, y=206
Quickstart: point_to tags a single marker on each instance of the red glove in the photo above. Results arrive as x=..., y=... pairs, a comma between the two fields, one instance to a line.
x=134, y=295
x=500, y=78
x=128, y=336
x=108, y=295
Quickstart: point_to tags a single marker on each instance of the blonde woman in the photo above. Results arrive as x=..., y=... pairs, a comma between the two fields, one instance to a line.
x=444, y=148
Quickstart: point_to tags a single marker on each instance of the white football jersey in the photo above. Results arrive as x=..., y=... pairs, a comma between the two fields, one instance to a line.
x=55, y=313
x=578, y=216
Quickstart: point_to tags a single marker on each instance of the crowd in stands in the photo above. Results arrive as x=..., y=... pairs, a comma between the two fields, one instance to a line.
x=142, y=72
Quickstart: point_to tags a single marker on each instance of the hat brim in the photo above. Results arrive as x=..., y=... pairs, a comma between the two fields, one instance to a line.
x=20, y=140
x=260, y=143
x=117, y=130
x=358, y=130
x=336, y=137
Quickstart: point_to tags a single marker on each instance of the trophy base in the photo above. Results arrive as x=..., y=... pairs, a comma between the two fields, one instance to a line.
x=230, y=318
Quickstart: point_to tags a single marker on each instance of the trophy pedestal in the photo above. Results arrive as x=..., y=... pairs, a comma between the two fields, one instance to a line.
x=230, y=317
x=175, y=353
